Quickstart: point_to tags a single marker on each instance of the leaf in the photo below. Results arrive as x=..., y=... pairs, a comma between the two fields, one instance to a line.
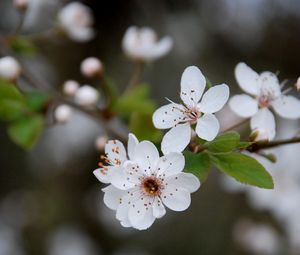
x=26, y=131
x=9, y=91
x=224, y=143
x=37, y=100
x=244, y=145
x=136, y=100
x=23, y=46
x=243, y=168
x=197, y=164
x=142, y=126
x=11, y=109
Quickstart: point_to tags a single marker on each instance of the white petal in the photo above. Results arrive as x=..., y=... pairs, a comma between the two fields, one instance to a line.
x=187, y=181
x=243, y=105
x=192, y=86
x=269, y=84
x=170, y=164
x=115, y=151
x=159, y=49
x=112, y=196
x=168, y=116
x=176, y=139
x=132, y=142
x=146, y=155
x=264, y=120
x=119, y=179
x=214, y=99
x=247, y=78
x=207, y=127
x=158, y=208
x=104, y=175
x=176, y=198
x=287, y=107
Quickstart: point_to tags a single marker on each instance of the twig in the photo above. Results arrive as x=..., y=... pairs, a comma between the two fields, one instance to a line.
x=135, y=78
x=259, y=146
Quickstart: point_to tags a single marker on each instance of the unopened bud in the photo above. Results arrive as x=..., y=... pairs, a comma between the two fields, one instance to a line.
x=63, y=113
x=10, y=68
x=298, y=84
x=101, y=142
x=91, y=67
x=86, y=96
x=70, y=87
x=259, y=134
x=21, y=5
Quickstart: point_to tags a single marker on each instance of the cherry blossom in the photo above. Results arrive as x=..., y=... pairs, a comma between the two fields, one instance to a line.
x=91, y=67
x=86, y=96
x=141, y=44
x=264, y=92
x=10, y=68
x=180, y=117
x=146, y=184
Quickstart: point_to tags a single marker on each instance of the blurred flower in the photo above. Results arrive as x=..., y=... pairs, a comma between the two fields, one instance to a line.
x=10, y=68
x=91, y=67
x=70, y=87
x=265, y=89
x=115, y=156
x=86, y=96
x=62, y=113
x=101, y=142
x=77, y=20
x=21, y=5
x=141, y=44
x=147, y=183
x=180, y=117
x=298, y=84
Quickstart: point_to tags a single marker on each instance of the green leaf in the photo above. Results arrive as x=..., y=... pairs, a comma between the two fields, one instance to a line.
x=243, y=168
x=23, y=46
x=11, y=109
x=136, y=100
x=244, y=145
x=141, y=125
x=9, y=91
x=224, y=143
x=197, y=164
x=26, y=131
x=37, y=100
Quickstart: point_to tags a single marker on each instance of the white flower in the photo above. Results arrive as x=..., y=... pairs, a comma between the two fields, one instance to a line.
x=115, y=156
x=62, y=113
x=77, y=20
x=141, y=44
x=21, y=5
x=70, y=87
x=91, y=67
x=141, y=189
x=86, y=96
x=10, y=68
x=180, y=117
x=101, y=142
x=265, y=92
x=260, y=134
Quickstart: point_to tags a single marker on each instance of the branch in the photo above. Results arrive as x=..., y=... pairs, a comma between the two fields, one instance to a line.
x=260, y=145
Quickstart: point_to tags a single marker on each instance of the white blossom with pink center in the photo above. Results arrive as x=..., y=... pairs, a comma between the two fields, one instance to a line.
x=180, y=117
x=265, y=92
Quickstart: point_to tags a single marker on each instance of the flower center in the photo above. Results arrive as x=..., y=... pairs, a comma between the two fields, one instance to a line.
x=192, y=115
x=151, y=186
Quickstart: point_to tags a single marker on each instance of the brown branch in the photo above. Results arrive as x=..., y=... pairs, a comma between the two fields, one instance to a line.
x=267, y=145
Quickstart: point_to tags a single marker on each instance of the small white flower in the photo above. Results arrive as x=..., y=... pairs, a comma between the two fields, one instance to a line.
x=77, y=20
x=115, y=156
x=141, y=189
x=62, y=113
x=180, y=117
x=141, y=44
x=260, y=134
x=265, y=92
x=70, y=87
x=91, y=67
x=101, y=142
x=21, y=5
x=86, y=96
x=10, y=68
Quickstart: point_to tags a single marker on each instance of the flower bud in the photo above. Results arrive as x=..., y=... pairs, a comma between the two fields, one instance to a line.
x=91, y=67
x=259, y=134
x=70, y=87
x=21, y=5
x=101, y=142
x=62, y=113
x=298, y=84
x=86, y=96
x=10, y=68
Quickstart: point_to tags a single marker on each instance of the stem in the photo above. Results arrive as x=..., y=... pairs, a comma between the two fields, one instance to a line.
x=258, y=146
x=236, y=125
x=135, y=78
x=20, y=24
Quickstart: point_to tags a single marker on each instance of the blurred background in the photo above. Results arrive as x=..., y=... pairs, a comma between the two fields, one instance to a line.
x=50, y=202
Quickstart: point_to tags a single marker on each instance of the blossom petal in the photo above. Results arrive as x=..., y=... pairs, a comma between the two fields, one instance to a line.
x=112, y=196
x=119, y=178
x=192, y=86
x=269, y=84
x=207, y=127
x=176, y=198
x=132, y=142
x=287, y=107
x=170, y=164
x=159, y=49
x=214, y=99
x=104, y=175
x=146, y=155
x=168, y=116
x=115, y=151
x=158, y=208
x=243, y=105
x=187, y=181
x=247, y=78
x=264, y=120
x=176, y=139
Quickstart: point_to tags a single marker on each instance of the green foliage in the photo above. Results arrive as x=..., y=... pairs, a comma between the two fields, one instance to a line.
x=224, y=143
x=243, y=168
x=23, y=46
x=197, y=164
x=25, y=131
x=37, y=100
